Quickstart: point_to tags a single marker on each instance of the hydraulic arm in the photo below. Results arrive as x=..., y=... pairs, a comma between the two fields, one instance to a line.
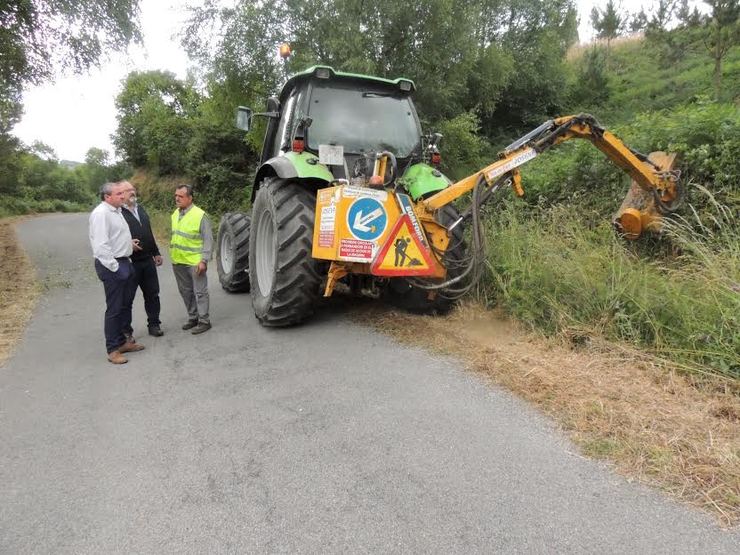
x=654, y=191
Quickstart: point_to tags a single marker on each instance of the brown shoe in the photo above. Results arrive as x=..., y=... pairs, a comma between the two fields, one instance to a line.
x=202, y=327
x=117, y=358
x=131, y=347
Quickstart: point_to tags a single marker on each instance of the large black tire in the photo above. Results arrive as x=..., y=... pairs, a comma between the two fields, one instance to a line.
x=285, y=278
x=402, y=294
x=232, y=252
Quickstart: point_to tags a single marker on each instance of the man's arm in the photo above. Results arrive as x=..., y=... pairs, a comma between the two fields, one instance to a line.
x=207, y=235
x=99, y=241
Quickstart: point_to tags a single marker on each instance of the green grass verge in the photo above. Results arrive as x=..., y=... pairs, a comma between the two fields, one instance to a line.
x=561, y=277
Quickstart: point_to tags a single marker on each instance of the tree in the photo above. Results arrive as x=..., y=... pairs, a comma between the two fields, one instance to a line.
x=592, y=84
x=608, y=24
x=722, y=32
x=639, y=21
x=39, y=36
x=43, y=151
x=96, y=157
x=153, y=108
x=689, y=18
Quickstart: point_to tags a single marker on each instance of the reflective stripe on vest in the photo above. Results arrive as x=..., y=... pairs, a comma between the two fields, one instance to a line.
x=186, y=243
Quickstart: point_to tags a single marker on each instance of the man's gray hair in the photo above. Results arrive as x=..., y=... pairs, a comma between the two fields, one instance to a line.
x=107, y=189
x=188, y=188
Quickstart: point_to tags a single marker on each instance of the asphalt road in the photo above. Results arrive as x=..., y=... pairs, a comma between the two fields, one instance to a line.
x=323, y=438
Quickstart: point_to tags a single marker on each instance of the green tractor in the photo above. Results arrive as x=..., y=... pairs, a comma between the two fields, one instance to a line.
x=328, y=129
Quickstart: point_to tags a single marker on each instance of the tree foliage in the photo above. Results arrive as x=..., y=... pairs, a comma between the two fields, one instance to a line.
x=608, y=23
x=152, y=119
x=722, y=33
x=33, y=180
x=501, y=60
x=38, y=37
x=168, y=127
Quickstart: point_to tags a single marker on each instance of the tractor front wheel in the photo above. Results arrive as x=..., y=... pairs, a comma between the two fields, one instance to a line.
x=285, y=278
x=232, y=252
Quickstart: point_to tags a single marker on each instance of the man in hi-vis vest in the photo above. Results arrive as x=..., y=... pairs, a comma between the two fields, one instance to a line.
x=190, y=250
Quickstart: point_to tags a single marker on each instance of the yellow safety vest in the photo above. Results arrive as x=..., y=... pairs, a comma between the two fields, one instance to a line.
x=186, y=243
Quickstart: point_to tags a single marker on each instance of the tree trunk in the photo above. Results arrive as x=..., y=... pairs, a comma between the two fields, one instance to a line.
x=717, y=73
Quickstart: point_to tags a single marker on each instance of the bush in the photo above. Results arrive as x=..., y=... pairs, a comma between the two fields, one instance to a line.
x=706, y=136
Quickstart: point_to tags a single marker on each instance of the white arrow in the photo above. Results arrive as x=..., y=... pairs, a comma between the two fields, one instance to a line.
x=362, y=221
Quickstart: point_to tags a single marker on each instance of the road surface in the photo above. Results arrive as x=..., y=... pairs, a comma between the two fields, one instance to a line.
x=322, y=438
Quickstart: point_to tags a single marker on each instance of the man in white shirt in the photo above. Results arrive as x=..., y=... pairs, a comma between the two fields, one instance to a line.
x=112, y=246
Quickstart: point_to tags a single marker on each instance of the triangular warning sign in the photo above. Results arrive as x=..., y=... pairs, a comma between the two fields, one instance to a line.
x=403, y=254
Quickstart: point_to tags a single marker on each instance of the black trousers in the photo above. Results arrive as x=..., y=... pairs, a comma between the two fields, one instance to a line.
x=120, y=288
x=148, y=280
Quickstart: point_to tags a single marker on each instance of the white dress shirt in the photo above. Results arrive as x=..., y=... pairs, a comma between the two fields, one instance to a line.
x=110, y=237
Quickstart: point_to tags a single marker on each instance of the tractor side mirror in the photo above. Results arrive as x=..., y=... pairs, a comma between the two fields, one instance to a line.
x=244, y=118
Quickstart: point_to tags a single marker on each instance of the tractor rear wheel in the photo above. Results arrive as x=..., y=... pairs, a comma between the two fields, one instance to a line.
x=402, y=294
x=285, y=278
x=232, y=252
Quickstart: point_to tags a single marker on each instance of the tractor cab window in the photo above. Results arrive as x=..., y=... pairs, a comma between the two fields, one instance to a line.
x=289, y=120
x=362, y=119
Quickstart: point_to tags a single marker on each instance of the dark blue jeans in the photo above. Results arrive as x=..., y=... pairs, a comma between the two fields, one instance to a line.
x=148, y=280
x=120, y=288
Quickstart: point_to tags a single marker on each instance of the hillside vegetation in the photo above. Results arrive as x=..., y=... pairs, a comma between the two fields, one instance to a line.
x=557, y=265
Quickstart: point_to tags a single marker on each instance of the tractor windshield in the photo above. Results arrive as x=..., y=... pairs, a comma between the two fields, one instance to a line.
x=361, y=119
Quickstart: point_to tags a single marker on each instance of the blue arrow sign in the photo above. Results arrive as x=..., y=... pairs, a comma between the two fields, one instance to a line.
x=366, y=219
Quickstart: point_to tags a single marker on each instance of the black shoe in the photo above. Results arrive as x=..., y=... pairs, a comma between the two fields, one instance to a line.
x=156, y=331
x=190, y=324
x=201, y=328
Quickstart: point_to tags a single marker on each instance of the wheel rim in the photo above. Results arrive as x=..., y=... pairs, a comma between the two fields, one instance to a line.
x=227, y=253
x=265, y=252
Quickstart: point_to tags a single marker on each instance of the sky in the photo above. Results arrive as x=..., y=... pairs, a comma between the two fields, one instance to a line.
x=75, y=113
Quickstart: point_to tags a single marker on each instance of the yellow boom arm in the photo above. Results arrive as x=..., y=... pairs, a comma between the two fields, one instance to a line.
x=655, y=183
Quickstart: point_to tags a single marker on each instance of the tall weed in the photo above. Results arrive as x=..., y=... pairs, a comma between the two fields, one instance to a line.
x=561, y=277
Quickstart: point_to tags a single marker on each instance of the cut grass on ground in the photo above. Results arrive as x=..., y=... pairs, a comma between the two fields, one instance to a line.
x=678, y=433
x=18, y=289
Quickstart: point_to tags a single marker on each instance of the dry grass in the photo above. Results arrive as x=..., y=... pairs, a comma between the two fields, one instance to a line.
x=18, y=289
x=576, y=51
x=655, y=424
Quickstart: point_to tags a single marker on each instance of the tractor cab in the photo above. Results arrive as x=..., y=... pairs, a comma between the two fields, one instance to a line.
x=337, y=122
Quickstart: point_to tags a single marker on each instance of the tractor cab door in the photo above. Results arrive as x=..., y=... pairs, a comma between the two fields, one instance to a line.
x=293, y=110
x=273, y=105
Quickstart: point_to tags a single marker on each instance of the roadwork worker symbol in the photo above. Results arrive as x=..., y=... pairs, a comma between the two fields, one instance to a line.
x=401, y=244
x=403, y=254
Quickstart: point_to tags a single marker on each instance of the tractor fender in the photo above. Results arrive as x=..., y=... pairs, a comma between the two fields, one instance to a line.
x=292, y=165
x=422, y=179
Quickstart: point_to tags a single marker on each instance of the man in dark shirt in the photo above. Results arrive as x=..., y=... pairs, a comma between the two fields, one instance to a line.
x=145, y=260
